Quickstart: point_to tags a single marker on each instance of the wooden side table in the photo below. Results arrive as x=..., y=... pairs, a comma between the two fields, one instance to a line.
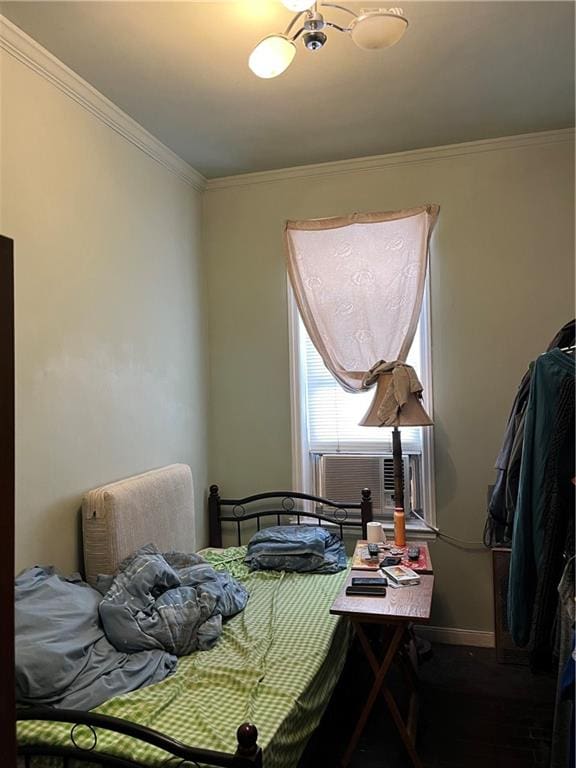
x=395, y=612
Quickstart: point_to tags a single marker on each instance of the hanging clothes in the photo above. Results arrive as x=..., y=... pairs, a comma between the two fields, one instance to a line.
x=502, y=504
x=562, y=752
x=558, y=540
x=549, y=377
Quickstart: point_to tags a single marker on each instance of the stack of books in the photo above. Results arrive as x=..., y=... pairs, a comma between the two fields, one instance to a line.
x=401, y=576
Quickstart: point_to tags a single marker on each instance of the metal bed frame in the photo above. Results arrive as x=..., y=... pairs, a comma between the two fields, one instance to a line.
x=324, y=511
x=314, y=510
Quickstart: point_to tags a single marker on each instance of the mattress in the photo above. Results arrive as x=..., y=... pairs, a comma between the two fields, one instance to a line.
x=275, y=666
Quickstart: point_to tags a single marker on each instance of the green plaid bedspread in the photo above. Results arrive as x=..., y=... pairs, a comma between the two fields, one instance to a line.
x=275, y=665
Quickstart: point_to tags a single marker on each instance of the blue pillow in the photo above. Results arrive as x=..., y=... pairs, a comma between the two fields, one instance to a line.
x=302, y=548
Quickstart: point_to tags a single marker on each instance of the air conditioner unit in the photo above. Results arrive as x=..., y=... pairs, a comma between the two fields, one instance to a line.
x=342, y=476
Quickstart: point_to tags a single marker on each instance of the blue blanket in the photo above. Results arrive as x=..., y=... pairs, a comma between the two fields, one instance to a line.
x=300, y=548
x=76, y=649
x=173, y=602
x=63, y=657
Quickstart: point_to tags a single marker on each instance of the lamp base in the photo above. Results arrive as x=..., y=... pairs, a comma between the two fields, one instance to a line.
x=399, y=527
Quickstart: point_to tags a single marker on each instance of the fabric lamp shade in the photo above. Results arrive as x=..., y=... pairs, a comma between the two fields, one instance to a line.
x=410, y=414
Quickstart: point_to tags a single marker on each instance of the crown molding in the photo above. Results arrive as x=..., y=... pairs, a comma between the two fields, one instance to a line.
x=30, y=53
x=411, y=157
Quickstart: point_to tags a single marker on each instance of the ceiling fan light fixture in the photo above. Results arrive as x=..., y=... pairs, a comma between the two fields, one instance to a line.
x=378, y=29
x=272, y=56
x=369, y=29
x=298, y=5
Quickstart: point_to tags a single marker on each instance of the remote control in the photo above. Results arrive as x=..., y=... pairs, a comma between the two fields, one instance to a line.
x=413, y=553
x=373, y=550
x=366, y=591
x=366, y=581
x=391, y=561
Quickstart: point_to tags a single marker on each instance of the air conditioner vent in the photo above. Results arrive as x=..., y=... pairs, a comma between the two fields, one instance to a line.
x=342, y=476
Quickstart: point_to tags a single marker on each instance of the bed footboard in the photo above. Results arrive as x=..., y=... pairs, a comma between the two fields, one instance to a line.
x=84, y=727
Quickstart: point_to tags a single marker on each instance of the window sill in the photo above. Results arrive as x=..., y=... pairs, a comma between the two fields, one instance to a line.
x=415, y=531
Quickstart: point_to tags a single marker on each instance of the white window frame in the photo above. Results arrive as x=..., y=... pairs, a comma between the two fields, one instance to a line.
x=302, y=465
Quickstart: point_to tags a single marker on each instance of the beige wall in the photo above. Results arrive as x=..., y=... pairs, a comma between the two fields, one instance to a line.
x=110, y=343
x=110, y=357
x=502, y=282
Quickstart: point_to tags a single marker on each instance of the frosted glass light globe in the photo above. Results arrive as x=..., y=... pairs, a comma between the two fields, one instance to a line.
x=298, y=5
x=272, y=56
x=377, y=29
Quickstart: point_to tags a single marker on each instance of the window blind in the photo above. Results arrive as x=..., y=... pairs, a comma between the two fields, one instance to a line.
x=334, y=414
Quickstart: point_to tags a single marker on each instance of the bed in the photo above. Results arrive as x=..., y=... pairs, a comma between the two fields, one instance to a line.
x=243, y=703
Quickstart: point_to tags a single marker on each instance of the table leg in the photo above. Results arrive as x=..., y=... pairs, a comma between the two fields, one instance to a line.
x=406, y=729
x=380, y=671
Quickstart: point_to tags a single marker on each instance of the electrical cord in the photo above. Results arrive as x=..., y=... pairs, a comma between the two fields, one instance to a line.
x=451, y=539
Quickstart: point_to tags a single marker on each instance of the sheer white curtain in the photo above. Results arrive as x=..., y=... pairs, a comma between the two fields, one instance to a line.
x=358, y=282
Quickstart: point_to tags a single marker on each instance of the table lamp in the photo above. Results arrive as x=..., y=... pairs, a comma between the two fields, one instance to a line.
x=397, y=403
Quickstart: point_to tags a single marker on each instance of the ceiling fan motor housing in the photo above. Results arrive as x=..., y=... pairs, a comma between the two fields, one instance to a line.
x=314, y=38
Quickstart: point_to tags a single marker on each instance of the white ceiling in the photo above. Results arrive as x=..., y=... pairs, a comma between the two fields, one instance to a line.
x=463, y=71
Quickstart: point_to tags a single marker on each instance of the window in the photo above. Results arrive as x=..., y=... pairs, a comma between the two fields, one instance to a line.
x=334, y=457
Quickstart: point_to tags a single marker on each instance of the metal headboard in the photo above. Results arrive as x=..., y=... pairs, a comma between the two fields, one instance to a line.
x=336, y=513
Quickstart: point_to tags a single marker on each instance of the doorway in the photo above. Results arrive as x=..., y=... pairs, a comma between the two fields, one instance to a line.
x=7, y=712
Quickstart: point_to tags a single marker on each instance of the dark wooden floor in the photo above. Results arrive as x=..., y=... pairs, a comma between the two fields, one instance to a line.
x=474, y=712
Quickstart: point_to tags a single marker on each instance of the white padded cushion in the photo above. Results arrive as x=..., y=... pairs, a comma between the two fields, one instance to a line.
x=120, y=517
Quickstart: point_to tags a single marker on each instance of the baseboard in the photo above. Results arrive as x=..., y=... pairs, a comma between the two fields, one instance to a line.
x=453, y=636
